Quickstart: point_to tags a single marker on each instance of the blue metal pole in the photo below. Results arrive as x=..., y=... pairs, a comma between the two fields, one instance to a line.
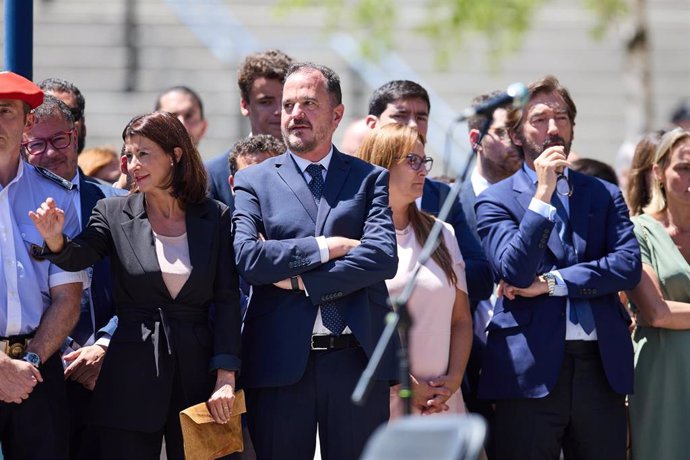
x=19, y=31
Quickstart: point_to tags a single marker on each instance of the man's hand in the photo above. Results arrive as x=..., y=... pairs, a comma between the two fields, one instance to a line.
x=85, y=365
x=17, y=379
x=338, y=246
x=548, y=165
x=538, y=287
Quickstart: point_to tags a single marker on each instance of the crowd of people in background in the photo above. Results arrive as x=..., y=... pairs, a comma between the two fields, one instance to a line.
x=139, y=282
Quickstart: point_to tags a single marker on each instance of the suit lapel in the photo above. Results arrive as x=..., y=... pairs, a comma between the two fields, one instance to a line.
x=199, y=233
x=337, y=172
x=579, y=212
x=138, y=232
x=289, y=172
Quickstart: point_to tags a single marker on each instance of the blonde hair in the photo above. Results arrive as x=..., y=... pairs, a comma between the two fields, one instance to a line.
x=92, y=160
x=661, y=159
x=387, y=146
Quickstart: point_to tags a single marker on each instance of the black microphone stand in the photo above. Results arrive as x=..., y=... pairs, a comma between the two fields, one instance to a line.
x=400, y=318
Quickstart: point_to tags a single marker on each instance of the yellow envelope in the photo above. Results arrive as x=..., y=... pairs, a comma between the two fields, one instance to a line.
x=205, y=439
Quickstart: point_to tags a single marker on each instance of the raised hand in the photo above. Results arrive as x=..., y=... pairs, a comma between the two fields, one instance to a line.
x=49, y=221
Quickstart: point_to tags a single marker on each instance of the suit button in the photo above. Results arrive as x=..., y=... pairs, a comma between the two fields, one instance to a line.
x=594, y=291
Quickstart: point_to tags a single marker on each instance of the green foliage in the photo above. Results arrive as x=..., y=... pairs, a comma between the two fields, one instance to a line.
x=503, y=23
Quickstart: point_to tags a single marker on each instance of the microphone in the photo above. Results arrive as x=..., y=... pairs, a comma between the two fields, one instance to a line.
x=516, y=95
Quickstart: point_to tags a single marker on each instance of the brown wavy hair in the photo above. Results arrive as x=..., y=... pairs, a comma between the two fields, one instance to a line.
x=639, y=192
x=188, y=179
x=387, y=146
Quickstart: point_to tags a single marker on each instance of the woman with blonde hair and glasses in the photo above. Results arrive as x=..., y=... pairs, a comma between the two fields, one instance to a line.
x=441, y=333
x=660, y=406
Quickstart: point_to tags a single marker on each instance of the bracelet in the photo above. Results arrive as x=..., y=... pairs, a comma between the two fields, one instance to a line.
x=295, y=284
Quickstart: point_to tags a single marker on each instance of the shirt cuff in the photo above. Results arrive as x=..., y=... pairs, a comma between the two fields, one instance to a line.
x=63, y=277
x=323, y=248
x=543, y=209
x=560, y=289
x=104, y=341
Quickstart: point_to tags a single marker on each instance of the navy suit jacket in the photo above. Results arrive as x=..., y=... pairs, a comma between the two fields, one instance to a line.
x=480, y=284
x=90, y=191
x=218, y=170
x=274, y=200
x=526, y=339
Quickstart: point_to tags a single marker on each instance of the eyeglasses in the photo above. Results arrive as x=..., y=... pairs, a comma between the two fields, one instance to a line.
x=37, y=146
x=415, y=162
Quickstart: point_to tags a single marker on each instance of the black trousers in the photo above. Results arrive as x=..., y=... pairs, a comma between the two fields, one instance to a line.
x=283, y=420
x=118, y=444
x=83, y=437
x=38, y=428
x=582, y=415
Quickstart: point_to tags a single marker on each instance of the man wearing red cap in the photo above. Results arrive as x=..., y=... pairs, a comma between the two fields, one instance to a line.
x=39, y=303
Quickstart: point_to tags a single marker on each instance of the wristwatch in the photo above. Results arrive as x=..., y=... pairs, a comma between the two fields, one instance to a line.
x=32, y=358
x=550, y=279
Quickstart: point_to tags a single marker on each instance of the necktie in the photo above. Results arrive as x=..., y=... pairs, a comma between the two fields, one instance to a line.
x=580, y=310
x=316, y=183
x=331, y=315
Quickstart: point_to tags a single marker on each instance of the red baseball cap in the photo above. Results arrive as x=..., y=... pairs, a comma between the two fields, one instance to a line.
x=13, y=86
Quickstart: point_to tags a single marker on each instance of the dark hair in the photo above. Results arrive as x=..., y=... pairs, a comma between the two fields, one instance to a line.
x=184, y=90
x=272, y=64
x=53, y=107
x=477, y=121
x=254, y=144
x=63, y=86
x=595, y=168
x=188, y=180
x=332, y=79
x=388, y=146
x=545, y=85
x=394, y=91
x=639, y=192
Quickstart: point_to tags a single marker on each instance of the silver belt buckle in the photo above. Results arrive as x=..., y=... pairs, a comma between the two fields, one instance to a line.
x=314, y=347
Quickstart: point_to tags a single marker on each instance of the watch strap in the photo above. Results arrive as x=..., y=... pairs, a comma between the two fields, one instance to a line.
x=294, y=282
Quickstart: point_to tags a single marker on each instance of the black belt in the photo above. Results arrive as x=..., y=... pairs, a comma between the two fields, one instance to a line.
x=333, y=342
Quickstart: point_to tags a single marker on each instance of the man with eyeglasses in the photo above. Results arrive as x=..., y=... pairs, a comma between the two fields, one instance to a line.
x=496, y=158
x=407, y=103
x=39, y=302
x=51, y=143
x=558, y=360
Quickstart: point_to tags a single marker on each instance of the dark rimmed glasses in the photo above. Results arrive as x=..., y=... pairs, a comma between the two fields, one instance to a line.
x=416, y=161
x=59, y=141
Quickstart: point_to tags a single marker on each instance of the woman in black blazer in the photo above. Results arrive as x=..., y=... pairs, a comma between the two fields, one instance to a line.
x=175, y=286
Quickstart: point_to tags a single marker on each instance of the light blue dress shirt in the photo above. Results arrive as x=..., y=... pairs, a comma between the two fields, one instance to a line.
x=25, y=281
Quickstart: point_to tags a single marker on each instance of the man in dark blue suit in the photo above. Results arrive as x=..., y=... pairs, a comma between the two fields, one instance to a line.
x=559, y=359
x=315, y=239
x=54, y=129
x=406, y=102
x=260, y=80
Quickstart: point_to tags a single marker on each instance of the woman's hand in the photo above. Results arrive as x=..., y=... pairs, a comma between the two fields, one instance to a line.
x=85, y=365
x=427, y=398
x=450, y=384
x=49, y=221
x=221, y=401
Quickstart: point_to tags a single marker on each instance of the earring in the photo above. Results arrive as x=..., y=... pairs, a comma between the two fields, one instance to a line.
x=171, y=163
